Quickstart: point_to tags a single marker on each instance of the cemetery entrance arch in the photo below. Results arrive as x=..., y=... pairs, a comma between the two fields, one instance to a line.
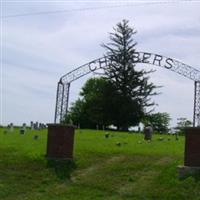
x=63, y=87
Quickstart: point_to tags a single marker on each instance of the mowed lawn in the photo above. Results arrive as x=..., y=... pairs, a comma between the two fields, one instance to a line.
x=133, y=169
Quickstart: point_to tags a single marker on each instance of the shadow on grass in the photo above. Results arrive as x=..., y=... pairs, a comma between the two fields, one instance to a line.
x=185, y=172
x=62, y=168
x=195, y=176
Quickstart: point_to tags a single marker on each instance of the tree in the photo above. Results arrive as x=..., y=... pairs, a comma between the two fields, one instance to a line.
x=97, y=94
x=95, y=106
x=131, y=86
x=78, y=115
x=182, y=124
x=159, y=122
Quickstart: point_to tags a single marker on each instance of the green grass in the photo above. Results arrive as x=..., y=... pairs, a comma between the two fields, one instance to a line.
x=134, y=170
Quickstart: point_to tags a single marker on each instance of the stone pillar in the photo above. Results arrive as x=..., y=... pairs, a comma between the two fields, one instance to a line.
x=192, y=147
x=192, y=153
x=60, y=141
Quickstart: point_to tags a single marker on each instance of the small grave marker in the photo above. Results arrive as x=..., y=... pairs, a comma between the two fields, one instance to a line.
x=8, y=128
x=24, y=126
x=11, y=127
x=107, y=135
x=22, y=131
x=36, y=125
x=32, y=125
x=160, y=138
x=118, y=144
x=148, y=131
x=36, y=137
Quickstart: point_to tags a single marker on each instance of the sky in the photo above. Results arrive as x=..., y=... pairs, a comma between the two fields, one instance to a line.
x=37, y=48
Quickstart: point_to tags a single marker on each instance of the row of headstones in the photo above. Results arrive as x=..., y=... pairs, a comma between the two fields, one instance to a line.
x=37, y=126
x=33, y=126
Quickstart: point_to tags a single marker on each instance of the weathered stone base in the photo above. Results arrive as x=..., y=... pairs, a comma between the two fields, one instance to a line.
x=185, y=171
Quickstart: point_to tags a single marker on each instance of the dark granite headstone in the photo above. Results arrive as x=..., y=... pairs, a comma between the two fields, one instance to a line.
x=22, y=131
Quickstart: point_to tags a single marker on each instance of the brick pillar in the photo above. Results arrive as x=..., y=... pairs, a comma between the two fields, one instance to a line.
x=192, y=147
x=60, y=141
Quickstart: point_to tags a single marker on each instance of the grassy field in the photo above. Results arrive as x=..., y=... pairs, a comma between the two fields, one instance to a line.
x=134, y=170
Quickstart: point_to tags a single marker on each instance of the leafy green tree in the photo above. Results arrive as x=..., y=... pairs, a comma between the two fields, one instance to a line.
x=159, y=121
x=131, y=86
x=78, y=115
x=182, y=124
x=97, y=94
x=95, y=106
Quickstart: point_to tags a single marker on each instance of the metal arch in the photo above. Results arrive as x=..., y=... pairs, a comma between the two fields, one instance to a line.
x=58, y=101
x=63, y=87
x=139, y=57
x=168, y=63
x=85, y=69
x=62, y=99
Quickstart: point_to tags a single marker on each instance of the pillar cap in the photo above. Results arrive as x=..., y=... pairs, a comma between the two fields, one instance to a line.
x=61, y=125
x=192, y=128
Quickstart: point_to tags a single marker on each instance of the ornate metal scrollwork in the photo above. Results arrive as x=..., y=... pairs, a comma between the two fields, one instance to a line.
x=63, y=87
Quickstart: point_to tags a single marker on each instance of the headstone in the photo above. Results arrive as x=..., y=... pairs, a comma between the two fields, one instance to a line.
x=35, y=137
x=32, y=125
x=11, y=127
x=39, y=126
x=160, y=139
x=8, y=128
x=107, y=135
x=24, y=126
x=118, y=144
x=148, y=131
x=36, y=126
x=22, y=131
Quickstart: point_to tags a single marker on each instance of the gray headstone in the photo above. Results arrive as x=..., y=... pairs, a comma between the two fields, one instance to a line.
x=8, y=127
x=24, y=126
x=32, y=125
x=11, y=127
x=36, y=126
x=148, y=131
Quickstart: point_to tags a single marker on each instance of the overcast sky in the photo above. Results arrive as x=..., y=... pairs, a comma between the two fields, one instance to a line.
x=38, y=49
